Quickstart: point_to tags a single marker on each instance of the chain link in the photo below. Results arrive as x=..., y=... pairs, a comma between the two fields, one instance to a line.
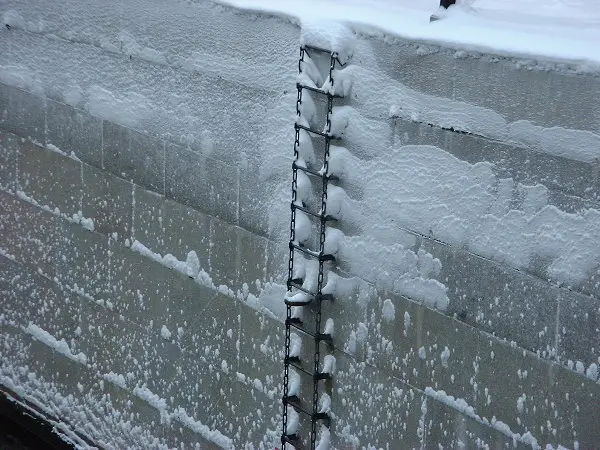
x=286, y=368
x=321, y=274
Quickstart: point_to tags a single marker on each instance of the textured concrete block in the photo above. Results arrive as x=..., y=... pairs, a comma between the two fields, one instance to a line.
x=251, y=258
x=50, y=178
x=26, y=115
x=535, y=395
x=222, y=265
x=107, y=200
x=278, y=254
x=201, y=390
x=578, y=328
x=447, y=427
x=372, y=408
x=9, y=150
x=261, y=347
x=185, y=230
x=205, y=323
x=4, y=90
x=147, y=162
x=203, y=183
x=82, y=261
x=139, y=287
x=423, y=347
x=497, y=299
x=112, y=343
x=148, y=219
x=29, y=298
x=254, y=204
x=524, y=165
x=73, y=130
x=116, y=149
x=28, y=234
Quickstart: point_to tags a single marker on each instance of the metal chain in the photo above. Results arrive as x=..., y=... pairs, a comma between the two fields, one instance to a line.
x=322, y=235
x=320, y=280
x=286, y=367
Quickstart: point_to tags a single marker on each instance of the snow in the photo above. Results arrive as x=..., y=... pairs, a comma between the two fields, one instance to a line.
x=328, y=364
x=60, y=346
x=329, y=327
x=564, y=30
x=388, y=311
x=165, y=333
x=295, y=345
x=116, y=379
x=327, y=35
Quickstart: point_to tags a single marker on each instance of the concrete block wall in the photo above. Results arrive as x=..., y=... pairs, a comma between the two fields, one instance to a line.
x=213, y=378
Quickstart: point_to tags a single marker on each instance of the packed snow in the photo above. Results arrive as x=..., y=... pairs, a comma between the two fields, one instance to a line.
x=553, y=29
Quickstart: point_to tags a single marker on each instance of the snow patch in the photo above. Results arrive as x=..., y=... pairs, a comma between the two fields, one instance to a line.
x=60, y=346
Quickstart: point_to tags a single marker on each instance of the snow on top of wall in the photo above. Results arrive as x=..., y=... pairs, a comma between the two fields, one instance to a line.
x=565, y=30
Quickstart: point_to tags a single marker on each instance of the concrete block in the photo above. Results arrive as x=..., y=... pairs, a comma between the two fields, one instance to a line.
x=203, y=391
x=278, y=254
x=28, y=234
x=447, y=427
x=160, y=359
x=50, y=178
x=73, y=130
x=139, y=287
x=116, y=150
x=372, y=408
x=591, y=286
x=107, y=200
x=30, y=298
x=261, y=347
x=253, y=409
x=180, y=436
x=536, y=395
x=205, y=323
x=524, y=165
x=497, y=299
x=185, y=230
x=202, y=182
x=148, y=219
x=222, y=265
x=147, y=162
x=9, y=150
x=4, y=92
x=424, y=348
x=422, y=72
x=26, y=115
x=251, y=258
x=254, y=204
x=112, y=343
x=578, y=328
x=82, y=261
